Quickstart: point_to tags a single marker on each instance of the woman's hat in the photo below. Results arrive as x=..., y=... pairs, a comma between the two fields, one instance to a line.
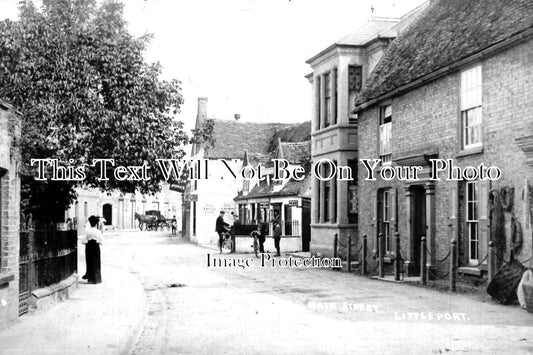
x=94, y=219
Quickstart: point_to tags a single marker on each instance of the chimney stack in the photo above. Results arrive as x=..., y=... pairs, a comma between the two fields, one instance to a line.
x=237, y=116
x=202, y=109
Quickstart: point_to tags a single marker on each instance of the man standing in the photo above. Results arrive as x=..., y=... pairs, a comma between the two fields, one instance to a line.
x=277, y=236
x=234, y=222
x=174, y=225
x=221, y=227
x=262, y=236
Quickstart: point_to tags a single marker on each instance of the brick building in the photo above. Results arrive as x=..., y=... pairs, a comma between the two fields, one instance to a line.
x=9, y=213
x=458, y=85
x=339, y=72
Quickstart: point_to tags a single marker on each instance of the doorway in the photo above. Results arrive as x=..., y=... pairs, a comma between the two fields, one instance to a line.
x=419, y=224
x=107, y=213
x=306, y=225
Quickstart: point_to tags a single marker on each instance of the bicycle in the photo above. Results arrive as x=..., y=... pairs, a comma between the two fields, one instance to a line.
x=227, y=243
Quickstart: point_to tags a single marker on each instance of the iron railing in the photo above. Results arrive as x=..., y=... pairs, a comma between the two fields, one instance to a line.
x=47, y=257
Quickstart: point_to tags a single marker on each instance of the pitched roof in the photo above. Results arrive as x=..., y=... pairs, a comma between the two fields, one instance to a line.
x=232, y=138
x=294, y=133
x=296, y=153
x=445, y=33
x=259, y=140
x=291, y=188
x=376, y=27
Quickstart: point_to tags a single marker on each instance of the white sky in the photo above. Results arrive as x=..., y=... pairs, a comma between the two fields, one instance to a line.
x=246, y=56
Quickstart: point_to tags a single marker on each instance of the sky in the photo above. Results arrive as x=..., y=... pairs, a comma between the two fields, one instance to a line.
x=245, y=56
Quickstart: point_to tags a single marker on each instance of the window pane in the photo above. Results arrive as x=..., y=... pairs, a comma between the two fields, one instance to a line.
x=385, y=139
x=471, y=121
x=388, y=111
x=471, y=219
x=471, y=88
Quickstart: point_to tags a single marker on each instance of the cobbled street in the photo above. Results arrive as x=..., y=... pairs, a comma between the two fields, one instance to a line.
x=193, y=309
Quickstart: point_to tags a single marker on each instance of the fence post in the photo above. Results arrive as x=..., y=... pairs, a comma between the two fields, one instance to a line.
x=349, y=253
x=397, y=261
x=335, y=243
x=363, y=257
x=490, y=261
x=453, y=266
x=381, y=251
x=423, y=261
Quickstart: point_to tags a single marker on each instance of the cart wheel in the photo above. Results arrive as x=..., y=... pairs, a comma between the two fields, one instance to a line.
x=227, y=246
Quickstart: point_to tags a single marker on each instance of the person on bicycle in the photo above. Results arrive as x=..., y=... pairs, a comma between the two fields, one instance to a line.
x=262, y=238
x=260, y=234
x=221, y=228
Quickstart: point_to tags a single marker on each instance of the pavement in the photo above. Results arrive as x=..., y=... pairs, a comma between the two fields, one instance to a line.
x=106, y=318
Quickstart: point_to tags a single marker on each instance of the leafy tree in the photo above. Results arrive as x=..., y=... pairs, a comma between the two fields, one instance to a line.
x=85, y=91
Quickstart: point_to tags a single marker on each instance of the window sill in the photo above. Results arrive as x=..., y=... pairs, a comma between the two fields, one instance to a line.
x=469, y=151
x=471, y=270
x=6, y=278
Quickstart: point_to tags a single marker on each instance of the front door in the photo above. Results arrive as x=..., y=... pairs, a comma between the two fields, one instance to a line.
x=418, y=219
x=306, y=225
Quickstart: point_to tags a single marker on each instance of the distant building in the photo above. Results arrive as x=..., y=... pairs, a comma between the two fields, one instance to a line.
x=459, y=88
x=119, y=209
x=10, y=122
x=288, y=201
x=205, y=198
x=339, y=73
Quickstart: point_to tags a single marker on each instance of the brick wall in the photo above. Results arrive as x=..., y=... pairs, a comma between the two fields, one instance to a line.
x=9, y=213
x=426, y=119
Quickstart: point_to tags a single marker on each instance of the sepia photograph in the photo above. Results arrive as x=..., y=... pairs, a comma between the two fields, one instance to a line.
x=266, y=177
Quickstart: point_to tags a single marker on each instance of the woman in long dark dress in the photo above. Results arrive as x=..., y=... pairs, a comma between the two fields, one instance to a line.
x=93, y=240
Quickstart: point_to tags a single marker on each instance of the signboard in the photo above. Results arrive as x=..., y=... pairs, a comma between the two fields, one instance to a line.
x=293, y=202
x=179, y=185
x=264, y=205
x=228, y=207
x=209, y=208
x=193, y=198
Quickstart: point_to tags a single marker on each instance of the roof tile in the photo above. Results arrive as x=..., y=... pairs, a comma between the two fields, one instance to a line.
x=446, y=32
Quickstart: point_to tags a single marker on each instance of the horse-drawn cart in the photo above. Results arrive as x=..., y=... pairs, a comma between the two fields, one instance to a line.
x=152, y=221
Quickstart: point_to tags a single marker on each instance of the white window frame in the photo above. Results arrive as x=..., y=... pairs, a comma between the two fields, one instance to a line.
x=328, y=92
x=386, y=220
x=472, y=221
x=471, y=108
x=385, y=134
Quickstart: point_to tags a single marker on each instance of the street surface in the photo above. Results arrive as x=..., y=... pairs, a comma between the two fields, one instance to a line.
x=195, y=309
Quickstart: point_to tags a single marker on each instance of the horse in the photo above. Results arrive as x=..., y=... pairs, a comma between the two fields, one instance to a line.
x=145, y=221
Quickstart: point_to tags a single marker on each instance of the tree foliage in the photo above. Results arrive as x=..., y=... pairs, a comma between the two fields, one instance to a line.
x=85, y=91
x=205, y=134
